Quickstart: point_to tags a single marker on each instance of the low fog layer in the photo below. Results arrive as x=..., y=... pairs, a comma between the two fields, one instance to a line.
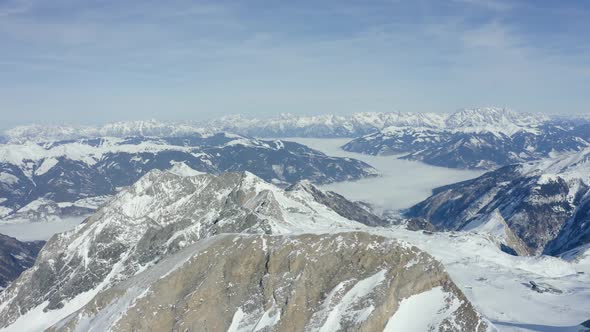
x=28, y=231
x=403, y=183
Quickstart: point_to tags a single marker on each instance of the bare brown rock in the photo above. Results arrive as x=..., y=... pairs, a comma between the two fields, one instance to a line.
x=338, y=282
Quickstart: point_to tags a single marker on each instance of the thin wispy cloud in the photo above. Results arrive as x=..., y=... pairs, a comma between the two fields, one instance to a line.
x=337, y=56
x=14, y=7
x=498, y=5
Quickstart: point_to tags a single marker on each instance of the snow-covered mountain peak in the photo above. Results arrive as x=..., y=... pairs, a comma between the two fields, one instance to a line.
x=160, y=214
x=493, y=119
x=289, y=125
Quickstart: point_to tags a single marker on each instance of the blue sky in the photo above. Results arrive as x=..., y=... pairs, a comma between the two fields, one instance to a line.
x=95, y=61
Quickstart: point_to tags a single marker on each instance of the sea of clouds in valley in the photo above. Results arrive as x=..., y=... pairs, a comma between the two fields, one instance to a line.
x=403, y=183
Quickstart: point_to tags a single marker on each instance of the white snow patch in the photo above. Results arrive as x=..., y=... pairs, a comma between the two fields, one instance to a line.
x=42, y=230
x=8, y=178
x=423, y=312
x=182, y=169
x=47, y=164
x=342, y=308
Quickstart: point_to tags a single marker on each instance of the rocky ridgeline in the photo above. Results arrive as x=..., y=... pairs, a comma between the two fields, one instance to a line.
x=337, y=282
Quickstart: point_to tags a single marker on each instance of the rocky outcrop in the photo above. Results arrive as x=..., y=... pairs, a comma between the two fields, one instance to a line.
x=417, y=224
x=15, y=257
x=337, y=282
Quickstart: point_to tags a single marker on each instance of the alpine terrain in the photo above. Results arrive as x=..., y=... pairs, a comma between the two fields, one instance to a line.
x=15, y=257
x=535, y=208
x=156, y=257
x=44, y=180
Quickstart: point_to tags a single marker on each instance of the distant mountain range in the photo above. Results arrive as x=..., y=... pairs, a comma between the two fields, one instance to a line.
x=286, y=125
x=74, y=177
x=479, y=139
x=484, y=138
x=534, y=208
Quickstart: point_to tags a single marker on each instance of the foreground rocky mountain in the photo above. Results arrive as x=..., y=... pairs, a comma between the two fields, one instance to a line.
x=534, y=208
x=479, y=139
x=156, y=232
x=42, y=180
x=15, y=257
x=336, y=282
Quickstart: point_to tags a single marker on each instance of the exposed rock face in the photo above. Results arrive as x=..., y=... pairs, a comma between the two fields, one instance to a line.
x=41, y=180
x=156, y=217
x=337, y=282
x=415, y=224
x=15, y=257
x=541, y=207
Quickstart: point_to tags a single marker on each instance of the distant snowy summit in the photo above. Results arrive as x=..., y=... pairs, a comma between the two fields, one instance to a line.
x=485, y=138
x=149, y=128
x=285, y=125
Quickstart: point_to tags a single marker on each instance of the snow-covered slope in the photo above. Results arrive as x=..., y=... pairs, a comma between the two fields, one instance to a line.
x=146, y=227
x=545, y=204
x=481, y=139
x=493, y=120
x=42, y=180
x=498, y=284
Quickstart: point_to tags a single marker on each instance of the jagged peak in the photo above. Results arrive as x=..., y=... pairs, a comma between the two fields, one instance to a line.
x=302, y=185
